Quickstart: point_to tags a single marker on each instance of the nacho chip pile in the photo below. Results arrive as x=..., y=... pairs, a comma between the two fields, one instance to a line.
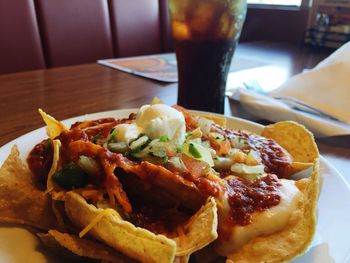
x=170, y=205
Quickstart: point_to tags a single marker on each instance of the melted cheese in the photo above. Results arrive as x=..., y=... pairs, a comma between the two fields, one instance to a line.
x=263, y=223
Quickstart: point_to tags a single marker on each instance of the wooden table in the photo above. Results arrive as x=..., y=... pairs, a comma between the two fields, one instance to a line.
x=76, y=90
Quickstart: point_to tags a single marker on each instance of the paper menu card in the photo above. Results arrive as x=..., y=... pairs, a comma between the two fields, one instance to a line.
x=163, y=67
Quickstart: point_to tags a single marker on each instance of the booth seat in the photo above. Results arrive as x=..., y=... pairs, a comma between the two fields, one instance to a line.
x=20, y=44
x=38, y=34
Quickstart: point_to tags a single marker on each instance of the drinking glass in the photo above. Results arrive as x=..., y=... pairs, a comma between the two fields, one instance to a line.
x=205, y=33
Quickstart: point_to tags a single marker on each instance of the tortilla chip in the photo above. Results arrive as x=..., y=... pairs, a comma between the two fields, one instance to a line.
x=58, y=210
x=54, y=127
x=295, y=138
x=219, y=120
x=199, y=231
x=132, y=241
x=61, y=242
x=294, y=168
x=20, y=201
x=294, y=239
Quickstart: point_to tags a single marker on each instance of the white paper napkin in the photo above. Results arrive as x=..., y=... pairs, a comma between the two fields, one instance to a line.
x=326, y=87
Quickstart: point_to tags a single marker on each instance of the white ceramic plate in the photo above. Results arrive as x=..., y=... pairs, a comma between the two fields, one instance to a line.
x=331, y=242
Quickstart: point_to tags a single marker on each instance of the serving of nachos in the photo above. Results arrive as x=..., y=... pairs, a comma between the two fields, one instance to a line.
x=165, y=185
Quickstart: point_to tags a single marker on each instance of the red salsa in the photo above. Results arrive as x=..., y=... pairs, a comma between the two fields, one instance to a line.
x=247, y=197
x=40, y=160
x=272, y=154
x=244, y=197
x=157, y=219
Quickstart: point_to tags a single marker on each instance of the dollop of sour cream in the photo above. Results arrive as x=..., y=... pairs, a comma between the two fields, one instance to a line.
x=159, y=120
x=154, y=121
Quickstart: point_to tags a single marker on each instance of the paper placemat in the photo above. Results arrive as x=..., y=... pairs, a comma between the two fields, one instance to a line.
x=163, y=67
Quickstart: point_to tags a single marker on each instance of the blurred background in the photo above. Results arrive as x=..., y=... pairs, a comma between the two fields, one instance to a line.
x=39, y=34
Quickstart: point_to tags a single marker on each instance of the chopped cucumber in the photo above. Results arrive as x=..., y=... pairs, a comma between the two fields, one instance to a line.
x=222, y=163
x=159, y=148
x=239, y=142
x=140, y=153
x=194, y=151
x=117, y=147
x=198, y=151
x=179, y=148
x=241, y=168
x=216, y=136
x=88, y=165
x=139, y=143
x=205, y=125
x=177, y=163
x=112, y=137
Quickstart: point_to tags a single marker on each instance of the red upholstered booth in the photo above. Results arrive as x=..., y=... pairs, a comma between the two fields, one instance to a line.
x=20, y=45
x=51, y=33
x=136, y=27
x=74, y=31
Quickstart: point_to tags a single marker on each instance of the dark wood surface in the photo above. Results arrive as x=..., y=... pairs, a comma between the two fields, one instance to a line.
x=77, y=90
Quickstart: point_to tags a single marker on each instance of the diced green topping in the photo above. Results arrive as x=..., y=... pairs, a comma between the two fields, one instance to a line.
x=240, y=168
x=179, y=148
x=164, y=138
x=159, y=148
x=112, y=135
x=198, y=151
x=117, y=147
x=139, y=143
x=195, y=140
x=139, y=153
x=70, y=177
x=217, y=136
x=88, y=165
x=95, y=138
x=194, y=151
x=158, y=153
x=164, y=159
x=222, y=163
x=177, y=163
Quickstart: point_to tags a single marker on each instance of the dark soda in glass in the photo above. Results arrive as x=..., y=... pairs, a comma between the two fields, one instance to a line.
x=205, y=33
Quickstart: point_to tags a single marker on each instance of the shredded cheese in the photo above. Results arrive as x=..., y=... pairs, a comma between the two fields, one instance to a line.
x=55, y=160
x=99, y=216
